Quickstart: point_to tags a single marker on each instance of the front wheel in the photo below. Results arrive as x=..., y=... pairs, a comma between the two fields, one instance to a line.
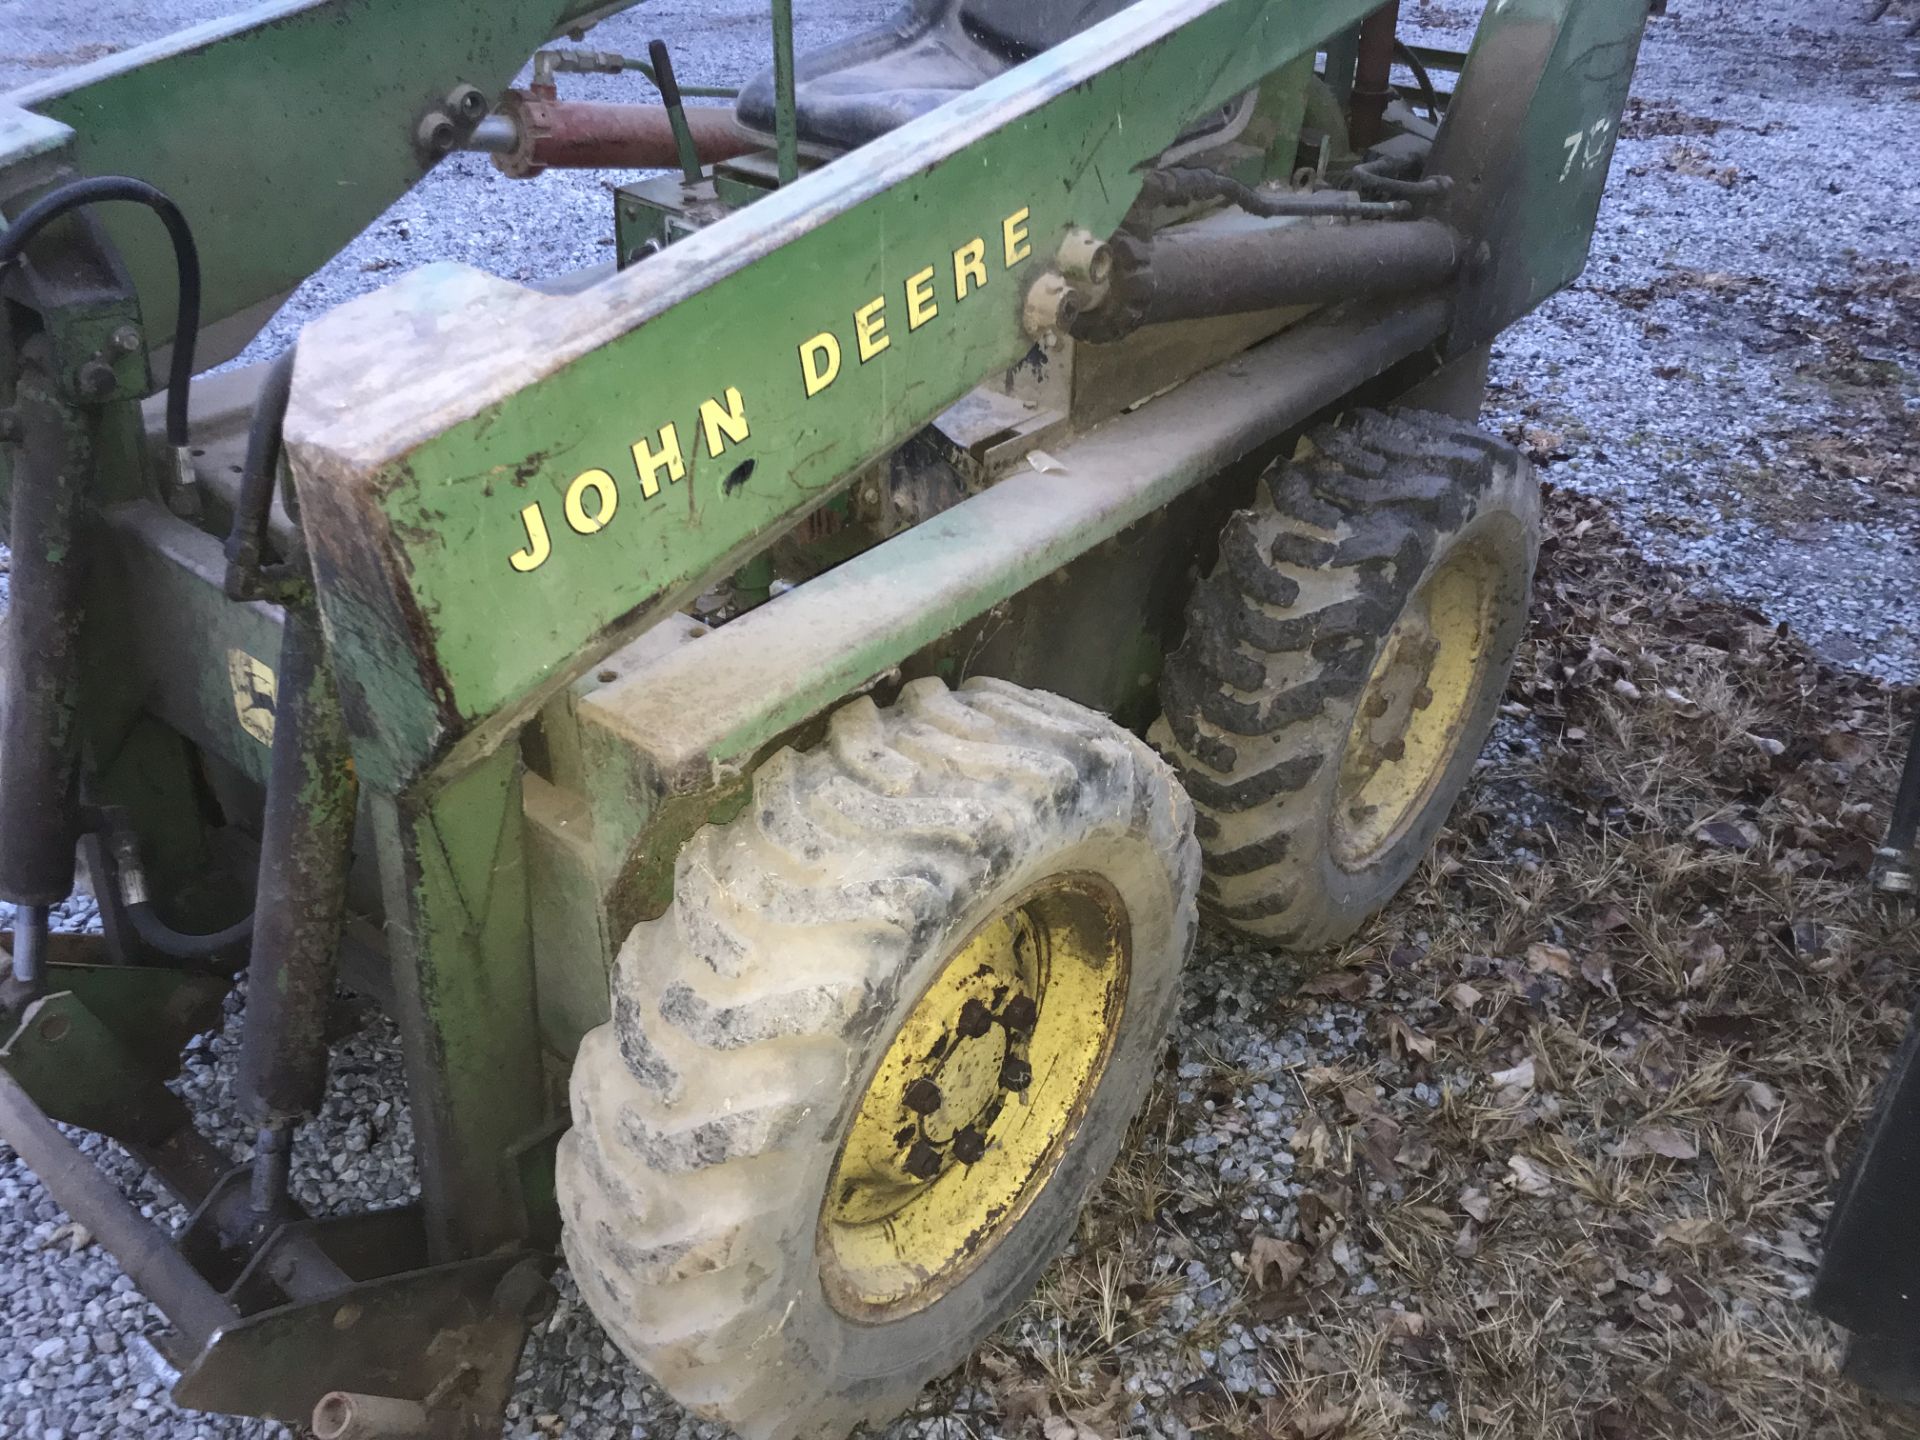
x=1343, y=664
x=863, y=1075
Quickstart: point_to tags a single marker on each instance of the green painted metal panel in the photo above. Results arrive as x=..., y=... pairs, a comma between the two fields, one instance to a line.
x=281, y=132
x=454, y=870
x=1529, y=139
x=500, y=485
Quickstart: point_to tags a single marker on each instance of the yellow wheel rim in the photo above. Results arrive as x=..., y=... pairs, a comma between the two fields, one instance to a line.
x=976, y=1099
x=1414, y=710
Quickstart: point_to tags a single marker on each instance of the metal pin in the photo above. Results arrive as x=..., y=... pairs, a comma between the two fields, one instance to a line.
x=30, y=945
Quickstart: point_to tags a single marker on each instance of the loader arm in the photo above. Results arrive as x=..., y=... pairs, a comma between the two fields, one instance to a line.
x=282, y=132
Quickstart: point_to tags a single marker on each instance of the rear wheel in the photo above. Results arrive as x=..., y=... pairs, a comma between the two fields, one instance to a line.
x=864, y=1073
x=1343, y=664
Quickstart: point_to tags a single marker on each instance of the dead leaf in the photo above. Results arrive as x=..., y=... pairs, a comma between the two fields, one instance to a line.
x=1350, y=985
x=1463, y=997
x=1519, y=1077
x=1692, y=1232
x=1597, y=970
x=1476, y=1203
x=1028, y=1400
x=1527, y=1177
x=1467, y=1243
x=1612, y=916
x=1404, y=1040
x=1658, y=1140
x=1311, y=1144
x=76, y=1236
x=1361, y=1102
x=1064, y=1427
x=1845, y=748
x=1543, y=959
x=1401, y=1324
x=1729, y=834
x=1268, y=1254
x=1315, y=1424
x=1379, y=1141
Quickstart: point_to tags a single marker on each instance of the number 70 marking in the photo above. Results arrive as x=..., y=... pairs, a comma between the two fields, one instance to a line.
x=1586, y=146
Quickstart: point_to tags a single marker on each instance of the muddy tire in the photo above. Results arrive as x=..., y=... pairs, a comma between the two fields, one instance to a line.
x=1343, y=664
x=724, y=1189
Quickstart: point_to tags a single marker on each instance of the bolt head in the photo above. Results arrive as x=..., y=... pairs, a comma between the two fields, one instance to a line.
x=437, y=133
x=126, y=339
x=96, y=380
x=468, y=103
x=922, y=1096
x=1015, y=1073
x=1051, y=305
x=922, y=1162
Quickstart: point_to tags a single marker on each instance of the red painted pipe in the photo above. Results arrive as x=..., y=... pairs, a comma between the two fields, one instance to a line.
x=585, y=135
x=1373, y=76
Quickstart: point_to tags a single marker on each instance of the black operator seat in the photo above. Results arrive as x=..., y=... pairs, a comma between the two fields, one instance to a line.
x=929, y=52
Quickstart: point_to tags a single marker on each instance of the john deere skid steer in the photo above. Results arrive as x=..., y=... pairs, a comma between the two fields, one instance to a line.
x=766, y=718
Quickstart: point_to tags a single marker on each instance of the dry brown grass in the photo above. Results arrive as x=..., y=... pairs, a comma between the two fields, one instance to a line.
x=1655, y=892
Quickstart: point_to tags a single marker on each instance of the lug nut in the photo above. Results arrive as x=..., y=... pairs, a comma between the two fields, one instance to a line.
x=968, y=1146
x=922, y=1096
x=975, y=1020
x=922, y=1162
x=1015, y=1073
x=1018, y=1014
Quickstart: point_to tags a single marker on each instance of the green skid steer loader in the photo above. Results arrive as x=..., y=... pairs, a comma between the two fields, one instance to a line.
x=765, y=718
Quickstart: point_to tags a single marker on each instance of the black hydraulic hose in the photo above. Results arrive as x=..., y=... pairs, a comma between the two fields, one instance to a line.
x=1404, y=53
x=158, y=935
x=247, y=540
x=1182, y=185
x=129, y=878
x=186, y=258
x=1371, y=176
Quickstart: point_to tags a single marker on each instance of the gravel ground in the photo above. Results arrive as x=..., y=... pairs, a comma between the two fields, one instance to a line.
x=1734, y=377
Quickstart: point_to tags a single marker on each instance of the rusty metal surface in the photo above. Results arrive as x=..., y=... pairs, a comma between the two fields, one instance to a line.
x=78, y=1187
x=447, y=1337
x=40, y=731
x=300, y=899
x=1373, y=75
x=1190, y=277
x=586, y=134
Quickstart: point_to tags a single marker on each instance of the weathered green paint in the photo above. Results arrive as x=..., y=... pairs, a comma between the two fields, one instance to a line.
x=153, y=1011
x=163, y=632
x=82, y=1065
x=1529, y=139
x=420, y=447
x=281, y=132
x=453, y=868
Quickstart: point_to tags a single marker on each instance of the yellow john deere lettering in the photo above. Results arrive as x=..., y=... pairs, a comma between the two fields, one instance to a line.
x=592, y=498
